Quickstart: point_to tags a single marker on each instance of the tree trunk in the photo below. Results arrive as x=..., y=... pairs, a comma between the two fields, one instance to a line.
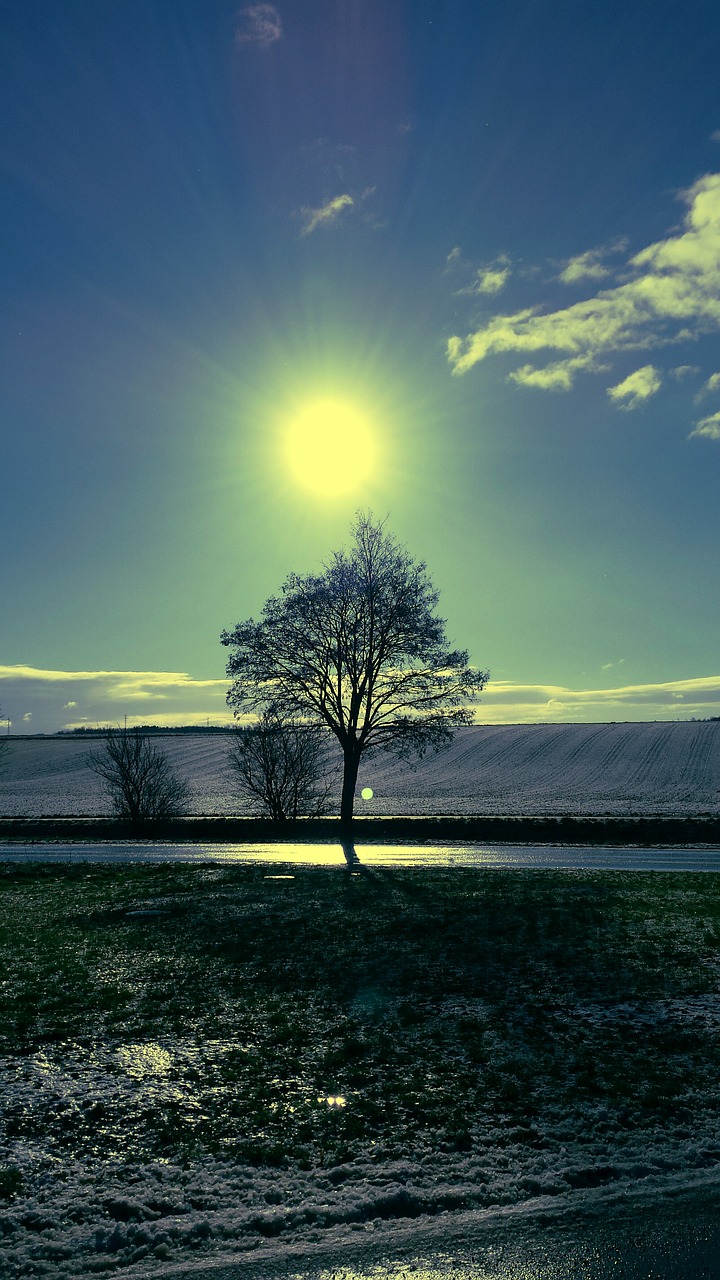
x=350, y=773
x=351, y=858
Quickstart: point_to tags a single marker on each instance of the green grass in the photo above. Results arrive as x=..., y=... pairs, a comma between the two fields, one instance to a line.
x=442, y=1005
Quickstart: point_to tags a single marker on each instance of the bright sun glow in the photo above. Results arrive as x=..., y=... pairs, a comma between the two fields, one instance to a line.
x=330, y=447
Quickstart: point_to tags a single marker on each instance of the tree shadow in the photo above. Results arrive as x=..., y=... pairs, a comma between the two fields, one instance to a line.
x=351, y=859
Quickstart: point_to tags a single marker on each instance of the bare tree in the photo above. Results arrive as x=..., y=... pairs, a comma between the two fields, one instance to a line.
x=360, y=649
x=138, y=777
x=283, y=765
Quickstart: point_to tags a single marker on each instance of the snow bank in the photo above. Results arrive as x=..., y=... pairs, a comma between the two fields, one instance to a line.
x=104, y=1213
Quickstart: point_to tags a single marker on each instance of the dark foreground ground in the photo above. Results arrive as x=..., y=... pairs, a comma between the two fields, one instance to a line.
x=252, y=1067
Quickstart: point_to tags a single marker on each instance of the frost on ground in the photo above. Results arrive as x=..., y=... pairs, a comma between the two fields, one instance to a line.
x=200, y=1061
x=616, y=769
x=103, y=1211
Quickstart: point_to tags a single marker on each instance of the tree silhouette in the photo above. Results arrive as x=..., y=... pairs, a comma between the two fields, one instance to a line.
x=360, y=649
x=283, y=765
x=138, y=777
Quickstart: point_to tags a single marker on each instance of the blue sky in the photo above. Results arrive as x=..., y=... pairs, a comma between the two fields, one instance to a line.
x=491, y=231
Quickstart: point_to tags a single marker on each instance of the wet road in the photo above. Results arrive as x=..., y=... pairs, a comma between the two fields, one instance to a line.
x=549, y=857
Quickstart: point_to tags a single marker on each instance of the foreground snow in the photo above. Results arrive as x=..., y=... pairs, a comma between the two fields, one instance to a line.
x=104, y=1212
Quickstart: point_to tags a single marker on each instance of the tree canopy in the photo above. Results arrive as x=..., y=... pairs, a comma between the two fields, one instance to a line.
x=360, y=648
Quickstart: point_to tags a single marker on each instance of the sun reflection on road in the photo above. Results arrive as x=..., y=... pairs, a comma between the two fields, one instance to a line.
x=417, y=1270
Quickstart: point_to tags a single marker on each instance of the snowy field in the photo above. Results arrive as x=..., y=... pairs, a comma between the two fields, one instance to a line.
x=661, y=768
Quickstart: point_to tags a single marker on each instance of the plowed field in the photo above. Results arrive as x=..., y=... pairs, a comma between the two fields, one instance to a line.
x=657, y=768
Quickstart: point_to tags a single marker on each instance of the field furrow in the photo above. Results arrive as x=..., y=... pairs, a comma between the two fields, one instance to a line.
x=659, y=768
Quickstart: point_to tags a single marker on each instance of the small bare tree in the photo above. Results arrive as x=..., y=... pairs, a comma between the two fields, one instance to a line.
x=282, y=763
x=139, y=779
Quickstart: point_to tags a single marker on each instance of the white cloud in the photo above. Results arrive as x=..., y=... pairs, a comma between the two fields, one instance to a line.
x=558, y=376
x=673, y=295
x=636, y=388
x=121, y=681
x=709, y=387
x=486, y=279
x=171, y=698
x=585, y=266
x=504, y=702
x=715, y=135
x=491, y=281
x=491, y=278
x=590, y=265
x=709, y=427
x=682, y=371
x=27, y=717
x=158, y=697
x=326, y=214
x=258, y=24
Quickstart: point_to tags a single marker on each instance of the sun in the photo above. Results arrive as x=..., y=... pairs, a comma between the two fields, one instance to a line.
x=330, y=447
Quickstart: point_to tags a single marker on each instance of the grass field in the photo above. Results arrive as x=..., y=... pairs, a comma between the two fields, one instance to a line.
x=198, y=1059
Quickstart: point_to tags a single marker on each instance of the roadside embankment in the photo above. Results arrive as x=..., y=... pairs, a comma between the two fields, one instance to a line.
x=563, y=829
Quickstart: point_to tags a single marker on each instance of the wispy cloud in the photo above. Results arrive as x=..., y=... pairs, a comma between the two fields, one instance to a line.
x=491, y=278
x=590, y=265
x=636, y=388
x=708, y=388
x=673, y=294
x=326, y=214
x=488, y=278
x=258, y=24
x=709, y=427
x=558, y=376
x=586, y=266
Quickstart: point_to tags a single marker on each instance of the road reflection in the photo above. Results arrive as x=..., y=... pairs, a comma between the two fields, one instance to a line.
x=548, y=857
